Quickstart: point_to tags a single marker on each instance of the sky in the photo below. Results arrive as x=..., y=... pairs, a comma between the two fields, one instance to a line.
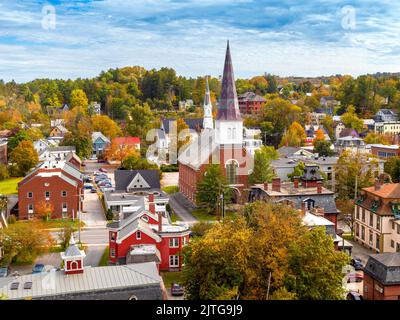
x=80, y=38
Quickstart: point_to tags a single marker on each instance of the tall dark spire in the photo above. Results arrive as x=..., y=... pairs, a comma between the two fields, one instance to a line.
x=228, y=108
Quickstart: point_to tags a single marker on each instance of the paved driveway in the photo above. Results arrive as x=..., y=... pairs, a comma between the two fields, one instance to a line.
x=182, y=208
x=93, y=214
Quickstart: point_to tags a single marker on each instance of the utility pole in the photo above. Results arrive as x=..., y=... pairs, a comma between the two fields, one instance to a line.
x=269, y=284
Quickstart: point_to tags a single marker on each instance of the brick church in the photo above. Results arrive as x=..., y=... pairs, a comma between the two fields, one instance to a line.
x=221, y=142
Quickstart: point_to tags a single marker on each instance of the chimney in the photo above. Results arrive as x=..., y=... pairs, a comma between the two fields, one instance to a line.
x=296, y=182
x=319, y=187
x=318, y=211
x=151, y=197
x=152, y=208
x=276, y=184
x=160, y=222
x=377, y=185
x=303, y=208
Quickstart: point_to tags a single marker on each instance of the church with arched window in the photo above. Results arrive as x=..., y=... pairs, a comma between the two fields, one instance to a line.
x=220, y=143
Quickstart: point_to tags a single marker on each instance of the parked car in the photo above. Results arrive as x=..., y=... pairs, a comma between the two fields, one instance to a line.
x=353, y=295
x=107, y=189
x=103, y=170
x=102, y=183
x=93, y=190
x=4, y=272
x=100, y=178
x=87, y=178
x=177, y=289
x=357, y=264
x=87, y=186
x=98, y=173
x=354, y=277
x=101, y=161
x=38, y=268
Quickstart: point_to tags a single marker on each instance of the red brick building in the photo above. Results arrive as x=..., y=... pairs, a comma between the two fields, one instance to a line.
x=57, y=184
x=382, y=277
x=384, y=151
x=148, y=228
x=222, y=145
x=250, y=103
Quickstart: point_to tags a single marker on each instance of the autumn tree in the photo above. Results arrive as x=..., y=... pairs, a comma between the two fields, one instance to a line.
x=23, y=242
x=315, y=267
x=392, y=167
x=294, y=136
x=351, y=120
x=140, y=120
x=106, y=126
x=79, y=99
x=323, y=148
x=117, y=152
x=15, y=140
x=44, y=209
x=376, y=138
x=24, y=157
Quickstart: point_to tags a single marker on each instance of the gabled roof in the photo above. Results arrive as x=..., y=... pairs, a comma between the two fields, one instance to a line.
x=126, y=140
x=228, y=107
x=61, y=128
x=124, y=177
x=193, y=124
x=251, y=96
x=96, y=135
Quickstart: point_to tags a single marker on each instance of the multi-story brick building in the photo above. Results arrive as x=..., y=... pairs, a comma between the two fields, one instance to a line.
x=377, y=217
x=384, y=151
x=250, y=103
x=56, y=184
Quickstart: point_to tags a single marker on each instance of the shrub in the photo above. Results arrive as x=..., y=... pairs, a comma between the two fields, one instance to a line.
x=109, y=214
x=4, y=172
x=12, y=219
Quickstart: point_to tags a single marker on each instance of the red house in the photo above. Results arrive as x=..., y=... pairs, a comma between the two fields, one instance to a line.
x=57, y=184
x=222, y=145
x=127, y=142
x=147, y=228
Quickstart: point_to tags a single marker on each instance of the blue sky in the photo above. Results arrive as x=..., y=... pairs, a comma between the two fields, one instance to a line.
x=284, y=37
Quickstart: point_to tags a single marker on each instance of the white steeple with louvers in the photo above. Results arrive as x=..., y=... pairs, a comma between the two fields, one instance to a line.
x=208, y=122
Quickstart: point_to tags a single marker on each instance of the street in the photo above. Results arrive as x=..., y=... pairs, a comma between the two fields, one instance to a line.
x=182, y=208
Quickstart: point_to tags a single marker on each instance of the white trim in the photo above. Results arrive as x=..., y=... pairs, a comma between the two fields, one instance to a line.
x=175, y=261
x=142, y=184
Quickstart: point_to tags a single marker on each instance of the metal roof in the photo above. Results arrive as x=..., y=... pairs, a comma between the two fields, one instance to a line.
x=93, y=279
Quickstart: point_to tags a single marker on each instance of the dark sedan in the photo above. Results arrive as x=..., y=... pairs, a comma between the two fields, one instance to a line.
x=177, y=290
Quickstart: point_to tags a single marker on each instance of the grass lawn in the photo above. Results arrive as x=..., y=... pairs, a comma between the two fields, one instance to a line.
x=347, y=236
x=202, y=215
x=169, y=277
x=104, y=258
x=53, y=224
x=9, y=186
x=170, y=189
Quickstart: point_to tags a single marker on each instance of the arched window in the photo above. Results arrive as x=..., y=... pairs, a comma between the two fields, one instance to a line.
x=231, y=168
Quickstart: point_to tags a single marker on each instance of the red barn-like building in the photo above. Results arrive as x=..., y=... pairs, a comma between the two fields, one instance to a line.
x=55, y=183
x=146, y=228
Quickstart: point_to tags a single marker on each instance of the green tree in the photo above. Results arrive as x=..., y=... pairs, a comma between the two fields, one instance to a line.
x=15, y=140
x=79, y=99
x=323, y=148
x=263, y=171
x=392, y=167
x=24, y=157
x=298, y=170
x=316, y=267
x=82, y=142
x=351, y=120
x=351, y=165
x=141, y=120
x=210, y=187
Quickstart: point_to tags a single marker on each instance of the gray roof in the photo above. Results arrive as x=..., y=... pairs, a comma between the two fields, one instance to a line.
x=193, y=124
x=384, y=267
x=124, y=177
x=91, y=280
x=251, y=96
x=96, y=135
x=287, y=151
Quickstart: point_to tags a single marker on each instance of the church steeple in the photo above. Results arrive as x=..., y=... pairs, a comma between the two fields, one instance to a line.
x=228, y=108
x=229, y=123
x=207, y=119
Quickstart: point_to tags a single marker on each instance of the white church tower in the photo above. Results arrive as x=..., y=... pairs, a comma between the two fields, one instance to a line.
x=207, y=119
